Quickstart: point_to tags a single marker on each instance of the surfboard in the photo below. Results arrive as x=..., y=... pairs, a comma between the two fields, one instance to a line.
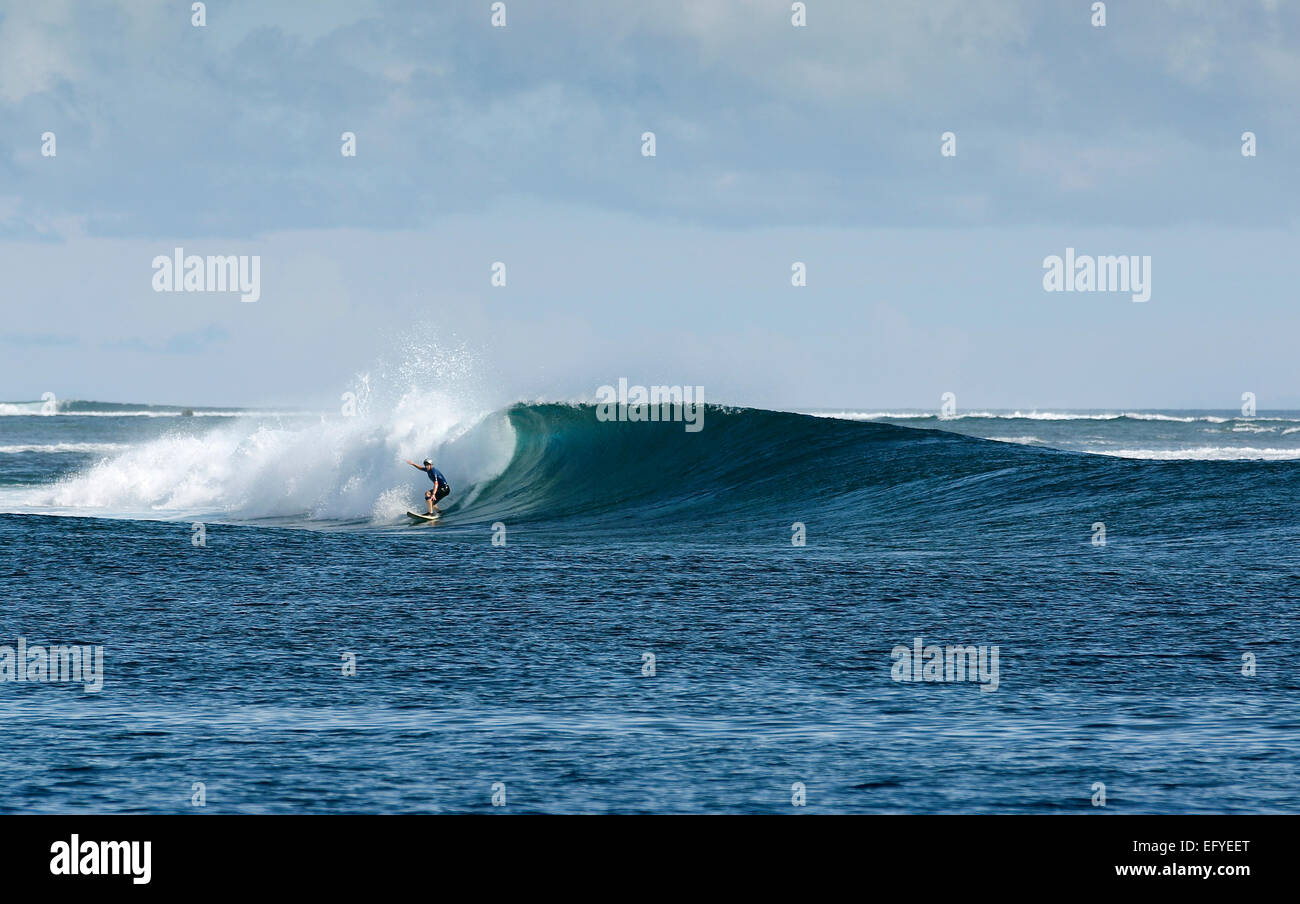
x=416, y=516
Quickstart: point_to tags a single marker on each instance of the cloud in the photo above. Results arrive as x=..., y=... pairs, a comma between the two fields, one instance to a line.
x=234, y=129
x=34, y=51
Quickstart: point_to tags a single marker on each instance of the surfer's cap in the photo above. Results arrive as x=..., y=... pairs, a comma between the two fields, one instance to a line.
x=428, y=461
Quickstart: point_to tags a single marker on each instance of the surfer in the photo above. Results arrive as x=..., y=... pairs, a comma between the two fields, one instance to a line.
x=440, y=486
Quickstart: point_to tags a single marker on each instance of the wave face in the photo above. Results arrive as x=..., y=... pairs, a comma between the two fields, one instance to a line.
x=746, y=463
x=755, y=470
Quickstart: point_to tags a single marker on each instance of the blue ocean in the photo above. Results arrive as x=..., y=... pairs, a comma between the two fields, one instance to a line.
x=759, y=616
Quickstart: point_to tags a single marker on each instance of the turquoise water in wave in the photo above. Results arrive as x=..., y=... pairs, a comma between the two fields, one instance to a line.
x=522, y=664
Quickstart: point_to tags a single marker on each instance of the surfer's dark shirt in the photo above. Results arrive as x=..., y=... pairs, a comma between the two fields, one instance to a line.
x=436, y=476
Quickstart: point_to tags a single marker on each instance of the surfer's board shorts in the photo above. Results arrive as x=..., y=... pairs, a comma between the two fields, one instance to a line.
x=443, y=490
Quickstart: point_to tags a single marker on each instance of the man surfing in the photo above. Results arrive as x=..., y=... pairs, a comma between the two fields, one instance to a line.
x=440, y=486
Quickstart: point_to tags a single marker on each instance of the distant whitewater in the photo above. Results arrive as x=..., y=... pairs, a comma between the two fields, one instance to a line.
x=1168, y=435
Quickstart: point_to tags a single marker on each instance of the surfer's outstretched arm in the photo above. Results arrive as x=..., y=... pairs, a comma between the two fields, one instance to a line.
x=413, y=464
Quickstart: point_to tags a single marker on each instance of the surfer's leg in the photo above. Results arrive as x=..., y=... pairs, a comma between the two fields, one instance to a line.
x=428, y=497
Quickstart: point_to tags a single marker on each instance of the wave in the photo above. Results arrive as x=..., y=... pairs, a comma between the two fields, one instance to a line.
x=770, y=468
x=556, y=461
x=527, y=461
x=567, y=463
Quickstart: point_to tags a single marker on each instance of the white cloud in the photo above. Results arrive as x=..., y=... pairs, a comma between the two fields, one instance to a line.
x=34, y=52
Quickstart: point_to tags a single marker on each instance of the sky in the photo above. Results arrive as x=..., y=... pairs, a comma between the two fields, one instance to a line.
x=774, y=144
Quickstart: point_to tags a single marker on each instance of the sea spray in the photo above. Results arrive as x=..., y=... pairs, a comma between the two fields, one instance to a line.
x=337, y=466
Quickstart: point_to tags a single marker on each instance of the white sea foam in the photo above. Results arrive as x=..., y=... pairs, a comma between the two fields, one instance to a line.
x=1031, y=415
x=330, y=467
x=1019, y=440
x=1206, y=453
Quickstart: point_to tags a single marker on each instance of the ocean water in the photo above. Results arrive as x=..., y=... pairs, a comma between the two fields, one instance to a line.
x=522, y=668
